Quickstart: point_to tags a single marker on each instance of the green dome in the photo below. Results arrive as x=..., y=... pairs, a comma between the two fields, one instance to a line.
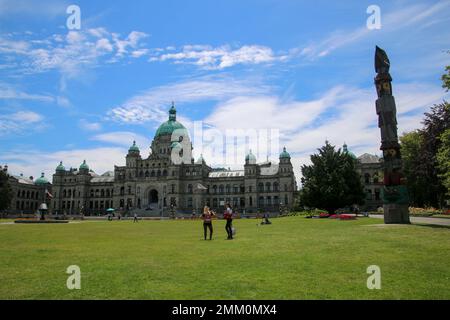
x=250, y=156
x=60, y=167
x=134, y=148
x=168, y=127
x=345, y=150
x=285, y=154
x=41, y=181
x=84, y=166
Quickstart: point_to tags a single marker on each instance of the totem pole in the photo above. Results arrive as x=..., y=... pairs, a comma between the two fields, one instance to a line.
x=394, y=192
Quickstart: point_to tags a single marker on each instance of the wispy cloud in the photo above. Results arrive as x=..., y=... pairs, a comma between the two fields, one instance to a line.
x=216, y=58
x=8, y=92
x=18, y=122
x=152, y=105
x=68, y=53
x=32, y=162
x=407, y=16
x=89, y=126
x=123, y=138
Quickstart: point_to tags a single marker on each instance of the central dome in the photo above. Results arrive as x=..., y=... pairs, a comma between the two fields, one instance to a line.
x=168, y=127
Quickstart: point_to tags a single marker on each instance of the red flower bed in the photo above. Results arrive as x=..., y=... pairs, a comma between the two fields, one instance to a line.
x=347, y=217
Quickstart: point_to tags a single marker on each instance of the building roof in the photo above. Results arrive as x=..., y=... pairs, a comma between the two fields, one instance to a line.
x=108, y=176
x=368, y=158
x=23, y=180
x=226, y=174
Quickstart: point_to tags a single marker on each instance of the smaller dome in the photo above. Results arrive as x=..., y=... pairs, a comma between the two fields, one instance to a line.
x=250, y=156
x=134, y=148
x=345, y=150
x=285, y=154
x=84, y=166
x=41, y=181
x=60, y=167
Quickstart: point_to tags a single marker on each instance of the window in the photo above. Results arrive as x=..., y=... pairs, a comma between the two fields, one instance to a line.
x=268, y=187
x=190, y=188
x=260, y=187
x=189, y=202
x=173, y=188
x=367, y=178
x=275, y=186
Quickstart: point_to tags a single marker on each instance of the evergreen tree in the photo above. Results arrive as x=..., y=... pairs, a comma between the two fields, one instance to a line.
x=331, y=182
x=443, y=159
x=436, y=122
x=5, y=191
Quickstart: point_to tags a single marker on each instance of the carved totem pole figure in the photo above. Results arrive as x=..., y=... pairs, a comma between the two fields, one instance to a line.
x=395, y=193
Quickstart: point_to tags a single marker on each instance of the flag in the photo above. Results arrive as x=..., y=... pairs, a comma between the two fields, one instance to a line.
x=48, y=194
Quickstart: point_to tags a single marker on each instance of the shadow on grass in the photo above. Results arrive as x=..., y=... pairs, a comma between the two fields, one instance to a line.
x=438, y=226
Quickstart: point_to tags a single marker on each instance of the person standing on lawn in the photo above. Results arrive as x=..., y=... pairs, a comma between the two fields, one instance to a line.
x=207, y=222
x=228, y=215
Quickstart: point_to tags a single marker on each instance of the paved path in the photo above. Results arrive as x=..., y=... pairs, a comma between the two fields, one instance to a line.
x=422, y=220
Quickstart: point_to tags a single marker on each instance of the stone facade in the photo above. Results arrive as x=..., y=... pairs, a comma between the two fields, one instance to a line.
x=156, y=185
x=28, y=193
x=370, y=167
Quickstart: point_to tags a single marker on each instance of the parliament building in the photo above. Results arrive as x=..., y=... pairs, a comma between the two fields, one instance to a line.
x=156, y=186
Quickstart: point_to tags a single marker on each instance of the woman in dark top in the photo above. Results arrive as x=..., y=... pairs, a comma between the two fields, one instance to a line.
x=228, y=215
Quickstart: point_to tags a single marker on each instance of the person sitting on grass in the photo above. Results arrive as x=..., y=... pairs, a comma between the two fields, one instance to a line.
x=207, y=222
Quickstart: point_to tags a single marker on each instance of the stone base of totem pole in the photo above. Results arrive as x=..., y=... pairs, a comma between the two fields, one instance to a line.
x=396, y=213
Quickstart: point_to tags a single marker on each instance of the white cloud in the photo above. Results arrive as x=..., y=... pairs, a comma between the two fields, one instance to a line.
x=19, y=122
x=9, y=92
x=221, y=57
x=123, y=138
x=89, y=126
x=71, y=53
x=152, y=104
x=394, y=20
x=33, y=162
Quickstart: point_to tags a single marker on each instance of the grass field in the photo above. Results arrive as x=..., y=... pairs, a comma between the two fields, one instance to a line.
x=295, y=258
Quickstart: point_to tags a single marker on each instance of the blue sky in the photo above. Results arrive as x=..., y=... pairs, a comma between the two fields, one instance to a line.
x=302, y=67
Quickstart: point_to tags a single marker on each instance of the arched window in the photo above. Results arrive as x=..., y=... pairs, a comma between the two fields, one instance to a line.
x=275, y=186
x=221, y=189
x=228, y=188
x=147, y=174
x=165, y=173
x=153, y=173
x=367, y=178
x=214, y=189
x=189, y=188
x=260, y=187
x=268, y=186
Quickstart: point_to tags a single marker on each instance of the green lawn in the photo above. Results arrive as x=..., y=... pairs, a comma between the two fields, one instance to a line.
x=295, y=258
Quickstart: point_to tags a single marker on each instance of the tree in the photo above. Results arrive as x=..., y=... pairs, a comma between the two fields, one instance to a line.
x=331, y=182
x=6, y=194
x=443, y=159
x=435, y=123
x=411, y=145
x=446, y=78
